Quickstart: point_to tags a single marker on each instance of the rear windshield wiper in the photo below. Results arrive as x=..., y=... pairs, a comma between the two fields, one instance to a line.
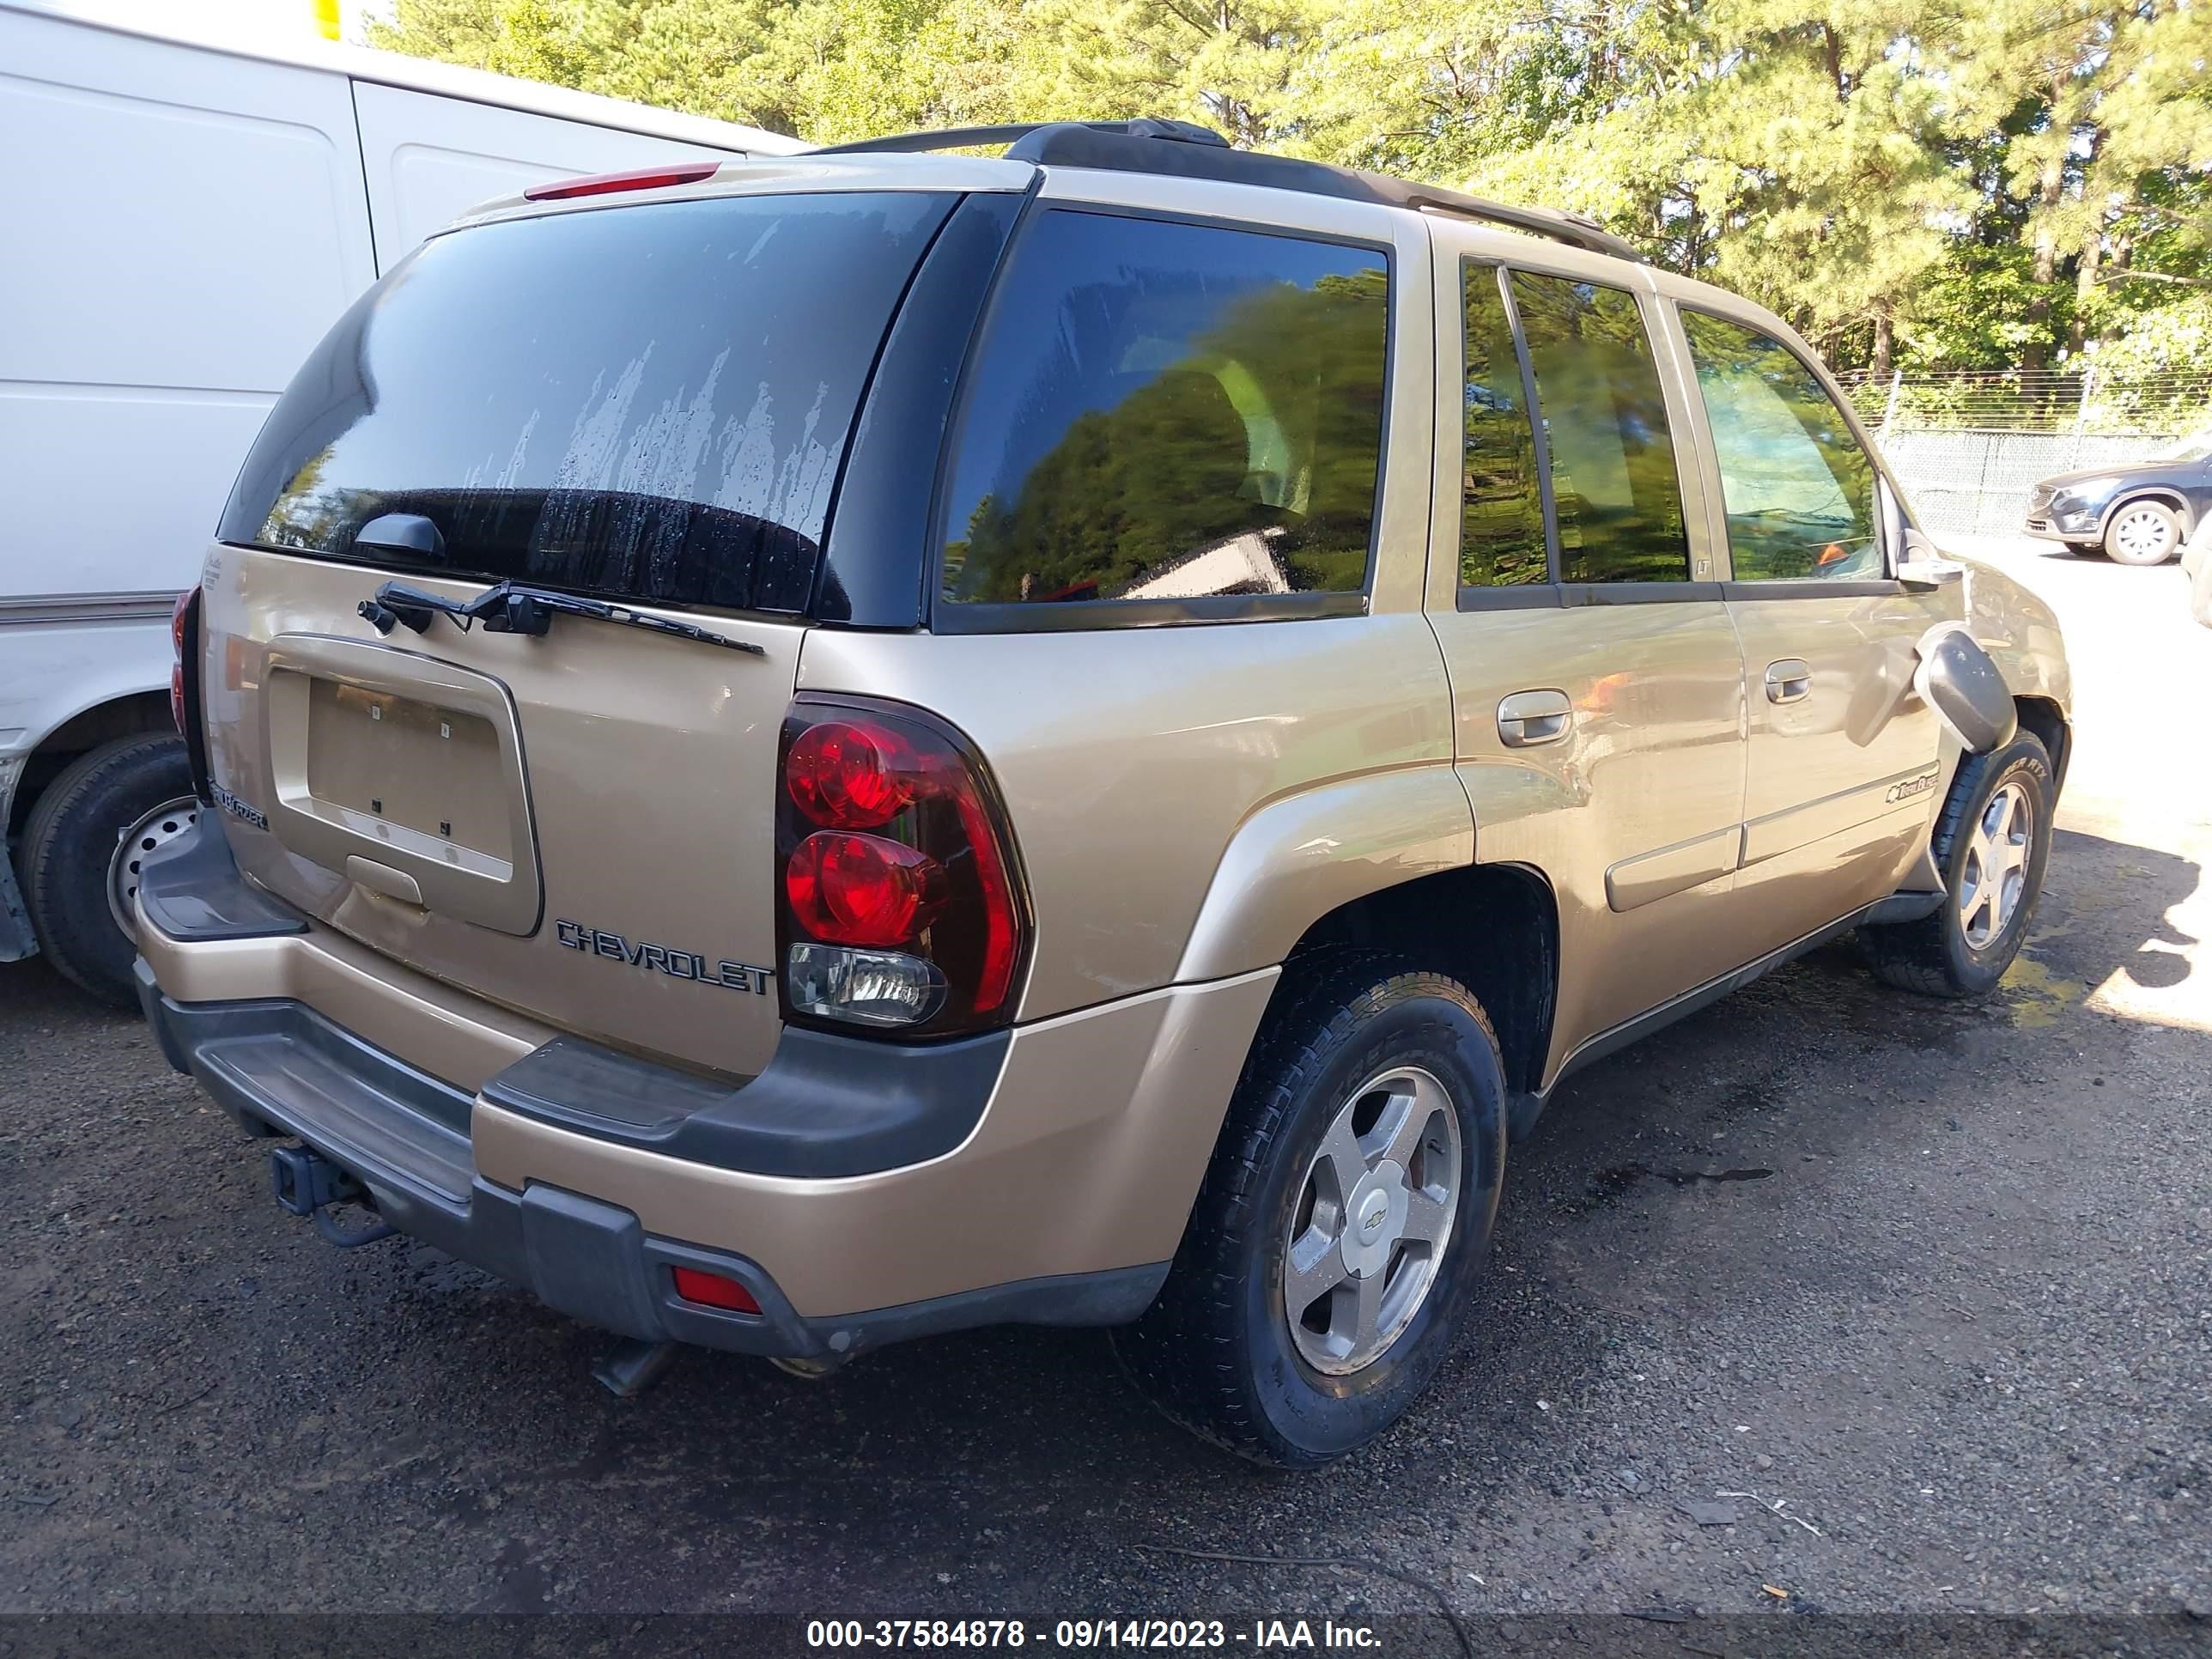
x=514, y=608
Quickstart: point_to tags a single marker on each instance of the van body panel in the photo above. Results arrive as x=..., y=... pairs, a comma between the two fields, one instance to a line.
x=428, y=160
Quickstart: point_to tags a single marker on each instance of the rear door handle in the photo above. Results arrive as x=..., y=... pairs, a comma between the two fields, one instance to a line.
x=1529, y=718
x=1789, y=681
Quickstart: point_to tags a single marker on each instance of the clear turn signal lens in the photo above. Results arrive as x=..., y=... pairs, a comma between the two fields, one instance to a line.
x=874, y=988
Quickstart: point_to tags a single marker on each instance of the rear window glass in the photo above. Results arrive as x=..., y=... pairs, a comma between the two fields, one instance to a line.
x=647, y=402
x=1162, y=411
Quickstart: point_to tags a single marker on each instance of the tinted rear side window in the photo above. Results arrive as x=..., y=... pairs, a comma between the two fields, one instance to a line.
x=1161, y=410
x=1501, y=538
x=1614, y=487
x=645, y=402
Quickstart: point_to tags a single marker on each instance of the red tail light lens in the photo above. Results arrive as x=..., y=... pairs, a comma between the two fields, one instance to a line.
x=606, y=184
x=180, y=630
x=902, y=897
x=714, y=1290
x=855, y=777
x=862, y=889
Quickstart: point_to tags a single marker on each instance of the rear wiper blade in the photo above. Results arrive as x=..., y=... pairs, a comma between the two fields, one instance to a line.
x=516, y=608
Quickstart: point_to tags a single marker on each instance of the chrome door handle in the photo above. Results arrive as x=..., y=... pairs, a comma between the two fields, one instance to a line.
x=1528, y=718
x=1789, y=681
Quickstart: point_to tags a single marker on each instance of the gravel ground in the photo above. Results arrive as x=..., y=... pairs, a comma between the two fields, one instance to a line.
x=1955, y=1336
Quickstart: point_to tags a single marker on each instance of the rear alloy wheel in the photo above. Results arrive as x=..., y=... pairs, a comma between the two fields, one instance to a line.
x=1329, y=1262
x=2143, y=533
x=1374, y=1216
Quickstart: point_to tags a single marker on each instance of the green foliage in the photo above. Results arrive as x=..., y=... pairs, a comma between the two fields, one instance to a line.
x=1922, y=182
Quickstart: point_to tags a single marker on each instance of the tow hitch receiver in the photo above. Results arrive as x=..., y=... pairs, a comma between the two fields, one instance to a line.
x=308, y=1184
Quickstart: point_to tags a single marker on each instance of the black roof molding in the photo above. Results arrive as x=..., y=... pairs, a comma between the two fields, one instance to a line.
x=1184, y=150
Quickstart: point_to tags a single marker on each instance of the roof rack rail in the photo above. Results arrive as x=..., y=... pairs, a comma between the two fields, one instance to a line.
x=1186, y=150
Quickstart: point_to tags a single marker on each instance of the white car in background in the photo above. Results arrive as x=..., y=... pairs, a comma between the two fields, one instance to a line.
x=184, y=220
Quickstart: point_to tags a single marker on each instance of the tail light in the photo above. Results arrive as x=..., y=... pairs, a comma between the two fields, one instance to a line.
x=185, y=700
x=902, y=904
x=180, y=625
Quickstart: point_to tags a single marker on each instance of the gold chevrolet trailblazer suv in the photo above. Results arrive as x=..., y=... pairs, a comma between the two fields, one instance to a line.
x=801, y=753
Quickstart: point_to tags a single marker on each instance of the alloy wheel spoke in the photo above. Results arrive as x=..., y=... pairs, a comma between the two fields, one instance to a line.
x=1983, y=901
x=1367, y=1307
x=1315, y=1267
x=1428, y=1216
x=1346, y=1158
x=1407, y=1118
x=1996, y=824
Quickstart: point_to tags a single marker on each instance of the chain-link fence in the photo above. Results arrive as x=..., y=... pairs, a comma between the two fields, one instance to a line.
x=1968, y=446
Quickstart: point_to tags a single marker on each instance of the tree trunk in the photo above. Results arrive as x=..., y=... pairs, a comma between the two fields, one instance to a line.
x=1885, y=344
x=1831, y=49
x=2084, y=285
x=2050, y=190
x=2093, y=253
x=2036, y=353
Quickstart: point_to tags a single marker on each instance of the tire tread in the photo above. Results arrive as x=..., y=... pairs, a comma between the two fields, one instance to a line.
x=53, y=854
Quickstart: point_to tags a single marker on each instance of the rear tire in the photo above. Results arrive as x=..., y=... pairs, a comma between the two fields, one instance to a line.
x=71, y=848
x=2143, y=533
x=1219, y=1352
x=1965, y=947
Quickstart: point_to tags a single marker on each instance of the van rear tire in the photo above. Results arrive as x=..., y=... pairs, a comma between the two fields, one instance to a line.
x=70, y=852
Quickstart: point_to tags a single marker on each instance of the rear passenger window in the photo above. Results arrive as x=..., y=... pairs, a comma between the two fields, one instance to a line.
x=1501, y=540
x=1799, y=488
x=1161, y=410
x=1614, y=485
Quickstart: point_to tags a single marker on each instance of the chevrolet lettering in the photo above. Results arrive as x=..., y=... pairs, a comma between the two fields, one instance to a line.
x=676, y=964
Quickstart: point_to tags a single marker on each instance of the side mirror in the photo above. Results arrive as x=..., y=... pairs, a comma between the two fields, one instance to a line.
x=1967, y=691
x=1924, y=575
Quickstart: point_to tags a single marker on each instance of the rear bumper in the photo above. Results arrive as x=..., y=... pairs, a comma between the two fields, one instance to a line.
x=863, y=1195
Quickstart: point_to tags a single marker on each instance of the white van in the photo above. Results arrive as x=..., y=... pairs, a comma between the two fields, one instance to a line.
x=183, y=222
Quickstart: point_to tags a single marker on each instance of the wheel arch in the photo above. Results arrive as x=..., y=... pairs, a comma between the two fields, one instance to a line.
x=120, y=715
x=1494, y=927
x=2166, y=495
x=2044, y=717
x=1386, y=861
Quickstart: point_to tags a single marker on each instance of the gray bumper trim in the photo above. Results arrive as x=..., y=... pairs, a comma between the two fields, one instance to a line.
x=825, y=1104
x=281, y=1069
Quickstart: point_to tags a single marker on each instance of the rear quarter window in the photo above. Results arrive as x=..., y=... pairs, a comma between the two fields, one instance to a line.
x=646, y=402
x=1170, y=411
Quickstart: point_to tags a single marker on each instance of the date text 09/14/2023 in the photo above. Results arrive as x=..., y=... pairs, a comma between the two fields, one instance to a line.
x=1263, y=1635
